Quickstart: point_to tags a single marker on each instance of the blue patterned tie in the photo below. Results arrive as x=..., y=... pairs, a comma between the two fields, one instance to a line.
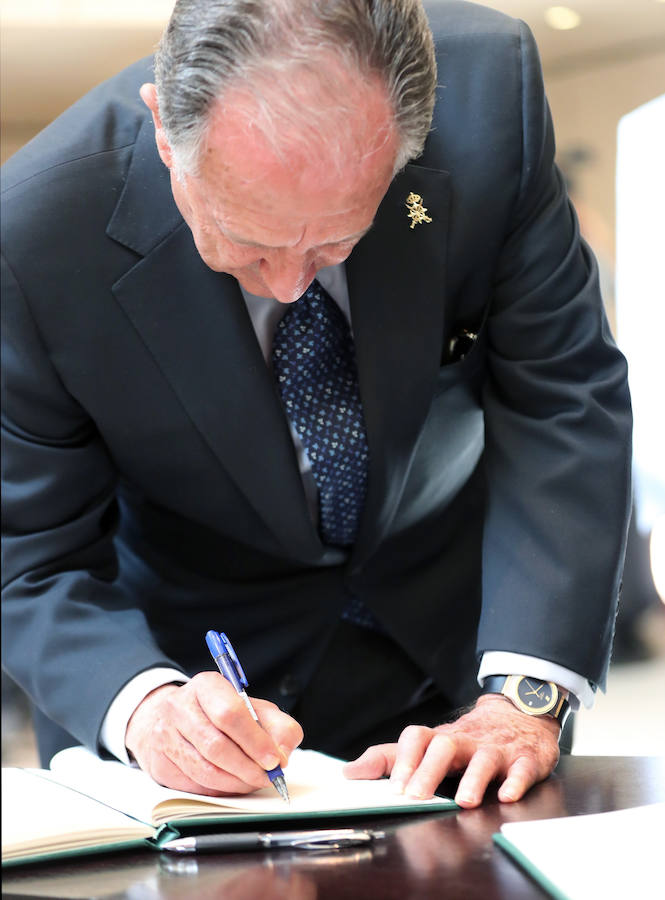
x=315, y=367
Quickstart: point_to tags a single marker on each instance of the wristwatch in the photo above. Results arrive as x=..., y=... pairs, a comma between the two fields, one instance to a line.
x=530, y=695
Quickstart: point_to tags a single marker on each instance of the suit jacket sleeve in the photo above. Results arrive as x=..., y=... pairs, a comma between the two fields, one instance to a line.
x=63, y=618
x=557, y=426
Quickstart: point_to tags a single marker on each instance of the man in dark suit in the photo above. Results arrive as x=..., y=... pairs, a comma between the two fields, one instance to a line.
x=153, y=486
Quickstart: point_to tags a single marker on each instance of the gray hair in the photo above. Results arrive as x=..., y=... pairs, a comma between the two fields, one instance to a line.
x=211, y=46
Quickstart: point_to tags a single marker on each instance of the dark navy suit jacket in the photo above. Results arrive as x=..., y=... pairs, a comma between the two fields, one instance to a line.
x=151, y=487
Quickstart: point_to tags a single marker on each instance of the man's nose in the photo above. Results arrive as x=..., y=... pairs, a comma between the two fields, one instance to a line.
x=287, y=274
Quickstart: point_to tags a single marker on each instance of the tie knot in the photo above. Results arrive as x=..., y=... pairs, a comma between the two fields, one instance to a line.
x=317, y=309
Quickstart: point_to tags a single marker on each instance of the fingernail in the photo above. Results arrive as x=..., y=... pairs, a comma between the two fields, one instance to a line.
x=413, y=789
x=465, y=798
x=397, y=786
x=270, y=762
x=416, y=793
x=283, y=754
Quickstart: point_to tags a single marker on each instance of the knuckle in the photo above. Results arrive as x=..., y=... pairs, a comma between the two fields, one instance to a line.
x=444, y=741
x=229, y=716
x=493, y=754
x=211, y=747
x=414, y=733
x=161, y=733
x=527, y=768
x=172, y=702
x=292, y=734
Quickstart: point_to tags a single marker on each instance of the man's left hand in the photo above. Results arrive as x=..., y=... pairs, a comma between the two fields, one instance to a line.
x=492, y=741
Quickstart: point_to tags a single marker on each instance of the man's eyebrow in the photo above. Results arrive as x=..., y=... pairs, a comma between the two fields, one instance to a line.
x=356, y=236
x=239, y=240
x=247, y=243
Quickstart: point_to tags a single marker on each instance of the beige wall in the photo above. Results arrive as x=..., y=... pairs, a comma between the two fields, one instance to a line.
x=586, y=106
x=44, y=69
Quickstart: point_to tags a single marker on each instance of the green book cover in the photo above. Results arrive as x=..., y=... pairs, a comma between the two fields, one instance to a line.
x=84, y=804
x=613, y=855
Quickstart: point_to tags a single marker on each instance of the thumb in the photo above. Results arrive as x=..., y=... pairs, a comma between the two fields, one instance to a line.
x=375, y=762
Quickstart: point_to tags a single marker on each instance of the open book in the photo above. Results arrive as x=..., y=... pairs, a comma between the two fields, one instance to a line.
x=613, y=855
x=85, y=804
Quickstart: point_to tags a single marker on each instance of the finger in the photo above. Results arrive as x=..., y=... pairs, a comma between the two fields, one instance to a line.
x=484, y=765
x=411, y=747
x=165, y=771
x=434, y=766
x=375, y=762
x=212, y=758
x=284, y=729
x=522, y=775
x=212, y=779
x=228, y=713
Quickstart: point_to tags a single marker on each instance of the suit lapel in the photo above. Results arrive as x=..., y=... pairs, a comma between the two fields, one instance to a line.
x=396, y=281
x=197, y=328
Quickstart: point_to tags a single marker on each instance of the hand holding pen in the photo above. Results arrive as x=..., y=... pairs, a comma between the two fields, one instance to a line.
x=199, y=737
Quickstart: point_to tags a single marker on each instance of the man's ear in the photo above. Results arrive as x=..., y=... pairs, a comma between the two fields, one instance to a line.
x=148, y=94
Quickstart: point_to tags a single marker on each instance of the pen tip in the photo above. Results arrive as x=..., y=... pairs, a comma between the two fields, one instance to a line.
x=280, y=785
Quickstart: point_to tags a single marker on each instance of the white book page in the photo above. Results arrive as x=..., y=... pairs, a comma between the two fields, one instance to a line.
x=315, y=783
x=38, y=815
x=111, y=782
x=613, y=855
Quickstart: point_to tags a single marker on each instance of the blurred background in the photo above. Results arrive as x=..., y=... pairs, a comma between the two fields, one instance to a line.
x=604, y=65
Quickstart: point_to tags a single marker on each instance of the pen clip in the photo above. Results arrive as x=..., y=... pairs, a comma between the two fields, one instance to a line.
x=225, y=656
x=332, y=840
x=228, y=648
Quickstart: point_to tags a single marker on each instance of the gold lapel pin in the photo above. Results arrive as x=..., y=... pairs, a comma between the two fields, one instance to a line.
x=417, y=212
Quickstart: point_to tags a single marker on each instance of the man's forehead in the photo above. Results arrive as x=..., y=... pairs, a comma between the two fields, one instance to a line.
x=240, y=182
x=251, y=138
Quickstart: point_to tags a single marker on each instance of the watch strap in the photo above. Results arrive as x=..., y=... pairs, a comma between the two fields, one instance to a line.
x=494, y=684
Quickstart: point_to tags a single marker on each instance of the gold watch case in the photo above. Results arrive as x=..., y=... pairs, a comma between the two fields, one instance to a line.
x=533, y=696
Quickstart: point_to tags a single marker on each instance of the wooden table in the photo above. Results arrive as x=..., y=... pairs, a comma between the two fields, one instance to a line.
x=445, y=855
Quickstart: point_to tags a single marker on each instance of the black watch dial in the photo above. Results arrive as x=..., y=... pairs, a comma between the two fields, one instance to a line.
x=536, y=696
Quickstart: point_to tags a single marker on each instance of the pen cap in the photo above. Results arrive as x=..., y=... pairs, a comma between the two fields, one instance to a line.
x=214, y=643
x=223, y=653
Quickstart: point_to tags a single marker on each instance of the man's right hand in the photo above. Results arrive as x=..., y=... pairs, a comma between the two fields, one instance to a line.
x=200, y=737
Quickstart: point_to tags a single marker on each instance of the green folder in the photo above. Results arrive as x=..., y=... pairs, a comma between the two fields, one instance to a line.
x=610, y=855
x=83, y=804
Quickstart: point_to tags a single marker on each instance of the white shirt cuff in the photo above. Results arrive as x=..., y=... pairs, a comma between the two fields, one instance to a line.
x=114, y=726
x=500, y=662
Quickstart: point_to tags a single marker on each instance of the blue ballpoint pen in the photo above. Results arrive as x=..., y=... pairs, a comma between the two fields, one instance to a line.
x=229, y=665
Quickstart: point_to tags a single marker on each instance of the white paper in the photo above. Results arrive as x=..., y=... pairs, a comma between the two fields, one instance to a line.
x=614, y=855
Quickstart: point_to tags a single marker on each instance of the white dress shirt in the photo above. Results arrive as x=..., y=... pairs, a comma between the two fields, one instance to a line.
x=265, y=314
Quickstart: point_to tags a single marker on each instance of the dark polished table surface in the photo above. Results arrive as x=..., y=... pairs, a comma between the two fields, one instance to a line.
x=444, y=855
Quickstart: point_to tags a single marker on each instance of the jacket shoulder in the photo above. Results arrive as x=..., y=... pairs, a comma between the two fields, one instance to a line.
x=450, y=18
x=104, y=120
